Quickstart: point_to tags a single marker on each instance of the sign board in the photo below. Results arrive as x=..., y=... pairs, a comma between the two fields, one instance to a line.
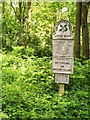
x=63, y=30
x=63, y=48
x=62, y=78
x=62, y=65
x=62, y=51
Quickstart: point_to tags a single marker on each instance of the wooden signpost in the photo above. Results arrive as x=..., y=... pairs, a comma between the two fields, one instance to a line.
x=62, y=53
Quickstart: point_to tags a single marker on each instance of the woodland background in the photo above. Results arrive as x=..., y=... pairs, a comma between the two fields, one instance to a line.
x=28, y=87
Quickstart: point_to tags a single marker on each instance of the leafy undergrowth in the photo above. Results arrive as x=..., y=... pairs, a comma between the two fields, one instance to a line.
x=29, y=90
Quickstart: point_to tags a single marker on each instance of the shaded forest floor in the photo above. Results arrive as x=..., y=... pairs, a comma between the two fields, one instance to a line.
x=29, y=89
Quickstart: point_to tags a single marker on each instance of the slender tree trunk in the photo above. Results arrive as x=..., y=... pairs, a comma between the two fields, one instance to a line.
x=28, y=23
x=77, y=30
x=3, y=25
x=85, y=31
x=29, y=16
x=89, y=25
x=23, y=14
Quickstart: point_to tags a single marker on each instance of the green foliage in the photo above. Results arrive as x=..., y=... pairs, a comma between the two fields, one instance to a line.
x=44, y=15
x=43, y=18
x=28, y=86
x=29, y=90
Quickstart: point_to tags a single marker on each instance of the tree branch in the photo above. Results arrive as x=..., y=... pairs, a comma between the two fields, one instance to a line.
x=14, y=10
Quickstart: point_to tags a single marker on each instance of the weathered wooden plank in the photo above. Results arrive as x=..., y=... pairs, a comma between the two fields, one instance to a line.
x=62, y=78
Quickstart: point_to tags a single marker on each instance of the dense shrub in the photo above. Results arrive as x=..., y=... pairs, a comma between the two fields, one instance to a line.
x=29, y=90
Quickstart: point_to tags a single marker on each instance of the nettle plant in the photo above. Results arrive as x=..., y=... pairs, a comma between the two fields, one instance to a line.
x=29, y=90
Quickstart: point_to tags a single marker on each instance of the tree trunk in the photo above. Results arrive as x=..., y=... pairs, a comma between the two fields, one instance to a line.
x=20, y=12
x=77, y=30
x=28, y=23
x=89, y=25
x=85, y=31
x=23, y=14
x=3, y=26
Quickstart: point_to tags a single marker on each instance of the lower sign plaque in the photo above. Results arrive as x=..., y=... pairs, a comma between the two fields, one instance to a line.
x=62, y=78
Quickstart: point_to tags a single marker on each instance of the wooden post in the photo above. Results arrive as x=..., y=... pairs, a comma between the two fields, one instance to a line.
x=61, y=89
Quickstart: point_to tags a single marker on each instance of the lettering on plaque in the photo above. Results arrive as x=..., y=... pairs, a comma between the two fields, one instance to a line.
x=62, y=47
x=62, y=65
